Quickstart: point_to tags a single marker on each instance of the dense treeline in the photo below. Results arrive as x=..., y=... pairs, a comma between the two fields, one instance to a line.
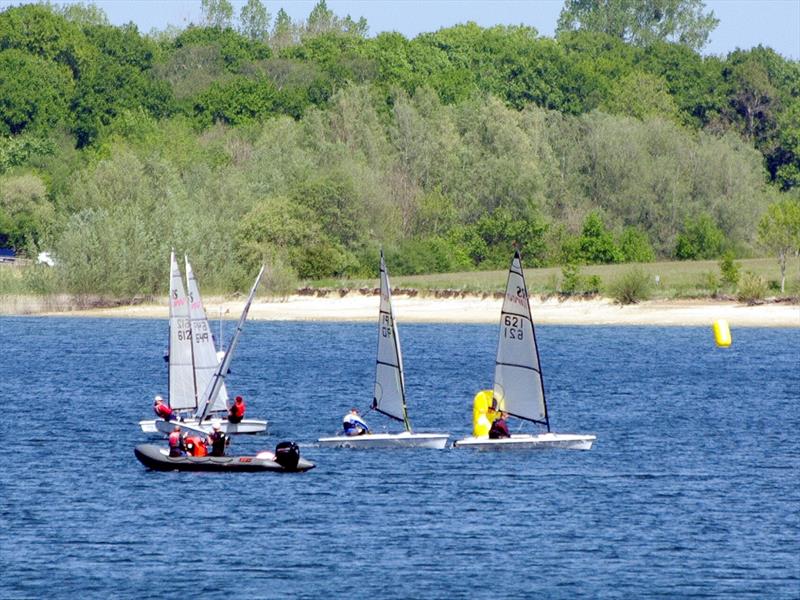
x=311, y=145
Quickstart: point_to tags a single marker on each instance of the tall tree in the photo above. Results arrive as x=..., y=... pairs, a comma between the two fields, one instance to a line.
x=779, y=231
x=254, y=20
x=217, y=13
x=282, y=31
x=641, y=22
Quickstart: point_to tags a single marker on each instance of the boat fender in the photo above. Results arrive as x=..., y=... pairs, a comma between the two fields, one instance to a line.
x=722, y=333
x=287, y=455
x=265, y=455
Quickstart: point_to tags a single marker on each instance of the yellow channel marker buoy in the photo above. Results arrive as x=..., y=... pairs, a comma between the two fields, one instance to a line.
x=722, y=333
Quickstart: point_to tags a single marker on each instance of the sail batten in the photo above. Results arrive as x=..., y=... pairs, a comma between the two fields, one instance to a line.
x=389, y=397
x=181, y=364
x=518, y=382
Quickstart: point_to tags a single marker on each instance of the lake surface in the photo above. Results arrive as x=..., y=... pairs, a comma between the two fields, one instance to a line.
x=690, y=491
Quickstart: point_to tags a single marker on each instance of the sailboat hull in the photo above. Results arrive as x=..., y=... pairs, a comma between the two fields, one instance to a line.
x=567, y=441
x=436, y=441
x=158, y=458
x=247, y=426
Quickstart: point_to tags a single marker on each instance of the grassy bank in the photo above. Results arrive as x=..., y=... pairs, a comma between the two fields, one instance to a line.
x=676, y=279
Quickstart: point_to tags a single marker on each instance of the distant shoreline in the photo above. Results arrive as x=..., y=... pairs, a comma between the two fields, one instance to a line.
x=430, y=309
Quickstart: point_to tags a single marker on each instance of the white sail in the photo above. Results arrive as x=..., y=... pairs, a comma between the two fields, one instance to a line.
x=218, y=380
x=518, y=384
x=390, y=397
x=205, y=354
x=181, y=367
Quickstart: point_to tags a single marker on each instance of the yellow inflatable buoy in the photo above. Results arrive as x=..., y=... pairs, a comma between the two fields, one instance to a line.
x=722, y=333
x=480, y=408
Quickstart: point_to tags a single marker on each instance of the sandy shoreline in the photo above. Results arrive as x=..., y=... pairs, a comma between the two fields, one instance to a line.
x=467, y=309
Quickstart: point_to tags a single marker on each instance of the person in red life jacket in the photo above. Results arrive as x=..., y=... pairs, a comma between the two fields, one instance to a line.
x=196, y=446
x=162, y=410
x=499, y=428
x=236, y=412
x=219, y=441
x=175, y=442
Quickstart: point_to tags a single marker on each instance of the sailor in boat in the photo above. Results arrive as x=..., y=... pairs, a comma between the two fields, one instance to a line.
x=219, y=441
x=499, y=428
x=175, y=443
x=236, y=411
x=162, y=410
x=354, y=424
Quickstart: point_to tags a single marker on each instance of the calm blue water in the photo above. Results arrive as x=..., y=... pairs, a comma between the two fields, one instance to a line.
x=691, y=489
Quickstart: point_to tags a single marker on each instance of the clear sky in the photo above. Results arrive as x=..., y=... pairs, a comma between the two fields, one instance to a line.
x=743, y=23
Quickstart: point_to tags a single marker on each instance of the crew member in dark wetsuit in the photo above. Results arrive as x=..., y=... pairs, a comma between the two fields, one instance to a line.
x=236, y=412
x=499, y=428
x=219, y=440
x=175, y=442
x=162, y=410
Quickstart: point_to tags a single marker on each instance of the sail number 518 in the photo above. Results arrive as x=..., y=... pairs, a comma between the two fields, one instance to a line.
x=512, y=327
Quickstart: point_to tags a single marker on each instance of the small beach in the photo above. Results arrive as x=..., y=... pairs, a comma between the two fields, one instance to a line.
x=459, y=309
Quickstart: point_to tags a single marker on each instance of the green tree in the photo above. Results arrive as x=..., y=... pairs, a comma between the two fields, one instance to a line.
x=36, y=29
x=641, y=23
x=282, y=31
x=254, y=20
x=635, y=246
x=779, y=232
x=596, y=242
x=641, y=95
x=217, y=13
x=700, y=239
x=37, y=100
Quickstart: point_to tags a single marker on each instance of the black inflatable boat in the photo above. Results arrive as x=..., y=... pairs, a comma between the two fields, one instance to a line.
x=286, y=459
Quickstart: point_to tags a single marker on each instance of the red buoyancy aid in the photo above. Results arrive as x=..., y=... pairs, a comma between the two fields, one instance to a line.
x=163, y=411
x=175, y=439
x=237, y=410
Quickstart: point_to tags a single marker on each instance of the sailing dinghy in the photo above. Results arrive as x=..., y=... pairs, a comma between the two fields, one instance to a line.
x=390, y=394
x=518, y=384
x=193, y=363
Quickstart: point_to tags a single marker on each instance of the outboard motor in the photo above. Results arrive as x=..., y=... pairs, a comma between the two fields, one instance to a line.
x=287, y=455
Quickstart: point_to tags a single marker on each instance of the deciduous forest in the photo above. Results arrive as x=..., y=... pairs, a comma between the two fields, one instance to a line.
x=309, y=145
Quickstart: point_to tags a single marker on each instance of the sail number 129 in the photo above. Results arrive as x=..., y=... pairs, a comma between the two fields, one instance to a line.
x=512, y=327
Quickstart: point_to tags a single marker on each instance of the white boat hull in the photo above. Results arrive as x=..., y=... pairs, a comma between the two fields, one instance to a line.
x=436, y=441
x=569, y=441
x=247, y=426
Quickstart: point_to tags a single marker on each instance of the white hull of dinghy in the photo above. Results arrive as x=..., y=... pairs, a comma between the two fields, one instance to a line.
x=569, y=441
x=247, y=426
x=437, y=441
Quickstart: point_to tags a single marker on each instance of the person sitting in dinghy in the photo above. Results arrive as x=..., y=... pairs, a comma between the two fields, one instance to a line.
x=236, y=412
x=162, y=410
x=353, y=424
x=499, y=428
x=175, y=442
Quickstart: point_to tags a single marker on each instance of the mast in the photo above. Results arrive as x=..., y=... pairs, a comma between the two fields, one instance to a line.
x=390, y=391
x=215, y=385
x=518, y=381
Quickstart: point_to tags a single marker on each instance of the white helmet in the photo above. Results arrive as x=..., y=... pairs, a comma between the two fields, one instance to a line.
x=158, y=398
x=216, y=424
